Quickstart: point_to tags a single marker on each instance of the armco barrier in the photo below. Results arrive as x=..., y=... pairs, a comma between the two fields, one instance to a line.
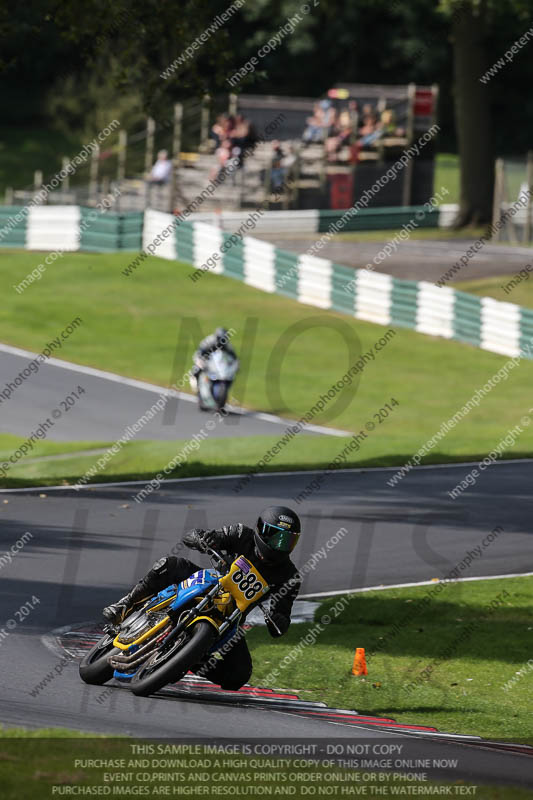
x=502, y=328
x=375, y=219
x=69, y=228
x=109, y=232
x=36, y=227
x=313, y=221
x=13, y=224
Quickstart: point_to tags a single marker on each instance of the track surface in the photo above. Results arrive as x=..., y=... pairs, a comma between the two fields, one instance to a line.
x=415, y=260
x=107, y=407
x=87, y=548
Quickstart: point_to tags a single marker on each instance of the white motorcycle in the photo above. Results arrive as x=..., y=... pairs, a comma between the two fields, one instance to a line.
x=213, y=383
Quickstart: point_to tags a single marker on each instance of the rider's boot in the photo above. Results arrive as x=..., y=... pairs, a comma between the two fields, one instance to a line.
x=117, y=612
x=164, y=571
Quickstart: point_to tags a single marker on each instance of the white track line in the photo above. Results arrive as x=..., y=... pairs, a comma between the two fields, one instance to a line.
x=155, y=389
x=355, y=470
x=382, y=587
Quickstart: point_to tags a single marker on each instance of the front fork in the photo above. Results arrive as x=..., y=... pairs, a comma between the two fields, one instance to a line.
x=196, y=611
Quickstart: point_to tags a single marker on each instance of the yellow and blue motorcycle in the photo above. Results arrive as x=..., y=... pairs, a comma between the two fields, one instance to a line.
x=181, y=627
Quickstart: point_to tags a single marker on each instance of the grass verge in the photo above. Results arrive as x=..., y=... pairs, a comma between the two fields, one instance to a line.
x=431, y=234
x=482, y=688
x=464, y=693
x=225, y=456
x=520, y=292
x=40, y=764
x=291, y=354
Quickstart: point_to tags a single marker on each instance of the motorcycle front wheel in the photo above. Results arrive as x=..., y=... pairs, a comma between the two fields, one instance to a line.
x=94, y=667
x=170, y=664
x=220, y=393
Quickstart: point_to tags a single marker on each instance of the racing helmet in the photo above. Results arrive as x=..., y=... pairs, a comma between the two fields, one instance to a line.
x=221, y=335
x=277, y=533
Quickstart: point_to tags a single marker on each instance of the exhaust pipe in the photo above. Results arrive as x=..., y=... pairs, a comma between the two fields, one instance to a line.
x=127, y=662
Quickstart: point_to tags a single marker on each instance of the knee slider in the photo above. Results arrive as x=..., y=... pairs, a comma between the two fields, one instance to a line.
x=162, y=567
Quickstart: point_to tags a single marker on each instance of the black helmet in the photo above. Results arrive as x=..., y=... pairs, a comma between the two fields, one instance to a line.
x=277, y=533
x=221, y=335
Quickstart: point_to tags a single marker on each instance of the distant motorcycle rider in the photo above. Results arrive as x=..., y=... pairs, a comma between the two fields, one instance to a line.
x=219, y=340
x=268, y=548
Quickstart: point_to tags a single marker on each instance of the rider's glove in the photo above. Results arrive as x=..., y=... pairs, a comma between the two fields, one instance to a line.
x=194, y=538
x=210, y=538
x=281, y=622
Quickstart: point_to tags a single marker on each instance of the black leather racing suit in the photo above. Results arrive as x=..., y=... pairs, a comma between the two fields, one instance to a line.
x=208, y=346
x=235, y=667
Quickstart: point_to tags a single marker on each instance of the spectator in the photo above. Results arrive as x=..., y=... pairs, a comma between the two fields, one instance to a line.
x=389, y=126
x=342, y=134
x=277, y=171
x=225, y=153
x=330, y=116
x=251, y=137
x=218, y=130
x=321, y=123
x=370, y=129
x=366, y=112
x=314, y=129
x=240, y=131
x=240, y=137
x=388, y=123
x=161, y=172
x=230, y=124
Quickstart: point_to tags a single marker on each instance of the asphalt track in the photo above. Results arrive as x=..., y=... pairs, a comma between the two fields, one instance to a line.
x=109, y=405
x=414, y=260
x=89, y=546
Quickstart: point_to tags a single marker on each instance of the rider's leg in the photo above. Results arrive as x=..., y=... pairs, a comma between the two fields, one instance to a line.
x=164, y=572
x=233, y=670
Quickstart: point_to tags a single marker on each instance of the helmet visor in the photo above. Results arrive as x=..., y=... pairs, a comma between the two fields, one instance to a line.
x=278, y=538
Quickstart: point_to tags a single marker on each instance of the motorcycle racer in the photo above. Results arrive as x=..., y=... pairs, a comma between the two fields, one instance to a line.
x=268, y=548
x=218, y=340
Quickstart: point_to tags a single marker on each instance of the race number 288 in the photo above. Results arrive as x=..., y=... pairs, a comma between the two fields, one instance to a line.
x=248, y=584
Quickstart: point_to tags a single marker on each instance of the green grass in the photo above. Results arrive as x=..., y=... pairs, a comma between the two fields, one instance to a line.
x=131, y=326
x=32, y=763
x=521, y=293
x=447, y=175
x=464, y=693
x=430, y=234
x=46, y=733
x=142, y=460
x=30, y=768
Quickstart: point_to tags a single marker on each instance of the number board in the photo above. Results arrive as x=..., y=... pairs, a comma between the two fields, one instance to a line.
x=244, y=582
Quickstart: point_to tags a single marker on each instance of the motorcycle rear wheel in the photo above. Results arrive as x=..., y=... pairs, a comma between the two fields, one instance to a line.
x=168, y=667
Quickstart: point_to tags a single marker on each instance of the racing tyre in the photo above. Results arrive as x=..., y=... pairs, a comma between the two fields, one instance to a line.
x=94, y=667
x=170, y=664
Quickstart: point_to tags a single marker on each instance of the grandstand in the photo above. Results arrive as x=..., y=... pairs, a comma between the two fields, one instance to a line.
x=313, y=180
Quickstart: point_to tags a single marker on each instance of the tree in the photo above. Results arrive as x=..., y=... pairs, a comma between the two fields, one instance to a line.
x=481, y=32
x=128, y=45
x=472, y=113
x=141, y=39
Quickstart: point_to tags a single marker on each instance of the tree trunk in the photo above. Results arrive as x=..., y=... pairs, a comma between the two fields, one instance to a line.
x=472, y=116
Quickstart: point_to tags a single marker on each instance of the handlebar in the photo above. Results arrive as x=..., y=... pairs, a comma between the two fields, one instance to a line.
x=214, y=555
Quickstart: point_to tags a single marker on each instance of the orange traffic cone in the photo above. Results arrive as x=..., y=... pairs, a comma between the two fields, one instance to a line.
x=359, y=662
